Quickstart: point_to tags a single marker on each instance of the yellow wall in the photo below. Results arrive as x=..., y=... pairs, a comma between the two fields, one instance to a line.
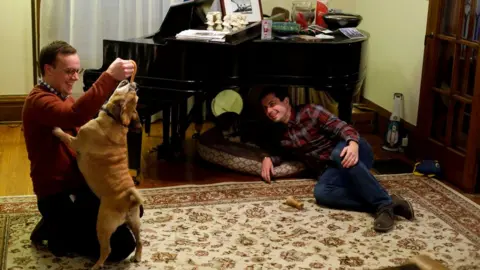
x=395, y=53
x=16, y=70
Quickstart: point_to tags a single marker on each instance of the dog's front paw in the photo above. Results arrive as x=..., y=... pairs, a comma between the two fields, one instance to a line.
x=57, y=131
x=137, y=257
x=97, y=266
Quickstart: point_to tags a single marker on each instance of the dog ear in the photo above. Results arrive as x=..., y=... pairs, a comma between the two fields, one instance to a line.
x=135, y=123
x=124, y=115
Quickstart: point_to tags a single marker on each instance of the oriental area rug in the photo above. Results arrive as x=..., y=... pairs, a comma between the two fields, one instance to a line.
x=248, y=226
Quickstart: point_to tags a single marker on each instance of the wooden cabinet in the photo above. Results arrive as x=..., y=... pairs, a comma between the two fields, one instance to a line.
x=449, y=110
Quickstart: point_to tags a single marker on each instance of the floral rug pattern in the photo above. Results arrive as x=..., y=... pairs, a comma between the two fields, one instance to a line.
x=248, y=226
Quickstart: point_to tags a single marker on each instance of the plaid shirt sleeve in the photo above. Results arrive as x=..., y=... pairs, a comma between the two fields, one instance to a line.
x=329, y=122
x=279, y=156
x=276, y=160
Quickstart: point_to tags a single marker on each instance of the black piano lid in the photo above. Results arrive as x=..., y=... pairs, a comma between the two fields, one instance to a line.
x=182, y=16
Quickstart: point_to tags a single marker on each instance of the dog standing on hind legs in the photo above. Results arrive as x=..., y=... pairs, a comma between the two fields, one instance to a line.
x=102, y=157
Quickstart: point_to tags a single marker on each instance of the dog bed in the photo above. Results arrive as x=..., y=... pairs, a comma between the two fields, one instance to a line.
x=238, y=156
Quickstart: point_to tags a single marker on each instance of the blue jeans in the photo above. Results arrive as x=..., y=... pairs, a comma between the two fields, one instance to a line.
x=353, y=188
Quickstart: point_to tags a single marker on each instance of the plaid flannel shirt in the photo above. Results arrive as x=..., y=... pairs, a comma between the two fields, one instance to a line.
x=311, y=135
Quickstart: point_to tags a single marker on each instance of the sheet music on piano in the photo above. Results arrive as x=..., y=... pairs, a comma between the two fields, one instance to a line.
x=205, y=35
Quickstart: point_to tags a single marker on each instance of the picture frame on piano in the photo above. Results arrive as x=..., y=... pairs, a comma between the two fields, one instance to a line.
x=251, y=8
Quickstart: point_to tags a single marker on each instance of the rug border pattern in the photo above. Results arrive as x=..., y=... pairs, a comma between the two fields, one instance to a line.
x=302, y=188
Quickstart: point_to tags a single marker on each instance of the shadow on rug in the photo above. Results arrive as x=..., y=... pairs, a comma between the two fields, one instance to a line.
x=247, y=226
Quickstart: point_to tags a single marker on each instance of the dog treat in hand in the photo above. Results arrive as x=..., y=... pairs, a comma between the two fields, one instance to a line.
x=291, y=201
x=132, y=78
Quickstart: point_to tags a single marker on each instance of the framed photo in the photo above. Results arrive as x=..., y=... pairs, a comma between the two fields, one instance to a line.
x=251, y=8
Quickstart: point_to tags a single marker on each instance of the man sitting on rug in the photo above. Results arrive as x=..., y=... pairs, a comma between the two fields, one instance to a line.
x=336, y=151
x=67, y=205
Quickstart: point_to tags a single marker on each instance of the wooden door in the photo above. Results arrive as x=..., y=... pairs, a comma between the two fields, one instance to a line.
x=448, y=116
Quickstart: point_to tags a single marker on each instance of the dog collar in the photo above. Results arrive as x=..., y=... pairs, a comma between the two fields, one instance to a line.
x=112, y=116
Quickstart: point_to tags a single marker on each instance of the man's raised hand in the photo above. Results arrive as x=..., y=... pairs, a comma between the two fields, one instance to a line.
x=120, y=69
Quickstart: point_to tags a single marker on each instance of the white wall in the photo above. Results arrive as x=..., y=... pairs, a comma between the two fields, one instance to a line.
x=16, y=70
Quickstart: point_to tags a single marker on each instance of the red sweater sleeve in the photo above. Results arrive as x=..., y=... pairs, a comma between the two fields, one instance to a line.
x=57, y=113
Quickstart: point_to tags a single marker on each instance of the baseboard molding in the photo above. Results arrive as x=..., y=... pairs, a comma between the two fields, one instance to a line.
x=381, y=127
x=11, y=108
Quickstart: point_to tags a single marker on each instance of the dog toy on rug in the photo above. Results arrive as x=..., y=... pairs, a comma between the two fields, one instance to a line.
x=430, y=168
x=291, y=201
x=419, y=262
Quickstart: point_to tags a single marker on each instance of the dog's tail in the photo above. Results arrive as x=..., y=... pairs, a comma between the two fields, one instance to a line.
x=135, y=197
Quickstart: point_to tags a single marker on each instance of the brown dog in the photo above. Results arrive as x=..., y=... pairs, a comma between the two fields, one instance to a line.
x=101, y=147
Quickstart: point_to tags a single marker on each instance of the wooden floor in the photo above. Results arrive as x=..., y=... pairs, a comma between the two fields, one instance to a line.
x=14, y=164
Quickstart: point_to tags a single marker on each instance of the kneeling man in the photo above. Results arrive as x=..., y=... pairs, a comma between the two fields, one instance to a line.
x=68, y=207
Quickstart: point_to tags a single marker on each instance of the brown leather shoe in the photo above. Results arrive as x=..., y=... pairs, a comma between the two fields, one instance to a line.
x=402, y=207
x=385, y=219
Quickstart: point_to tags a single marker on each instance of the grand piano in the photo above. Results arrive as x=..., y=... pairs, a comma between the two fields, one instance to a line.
x=171, y=70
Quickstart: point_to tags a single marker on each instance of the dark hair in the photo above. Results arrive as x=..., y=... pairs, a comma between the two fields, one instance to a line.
x=48, y=54
x=279, y=91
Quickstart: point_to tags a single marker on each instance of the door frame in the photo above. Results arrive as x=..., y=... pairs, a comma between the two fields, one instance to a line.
x=460, y=169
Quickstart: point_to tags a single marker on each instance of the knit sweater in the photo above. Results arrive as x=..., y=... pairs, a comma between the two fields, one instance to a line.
x=53, y=166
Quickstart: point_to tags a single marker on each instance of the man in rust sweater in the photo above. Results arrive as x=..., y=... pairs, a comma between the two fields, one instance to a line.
x=68, y=207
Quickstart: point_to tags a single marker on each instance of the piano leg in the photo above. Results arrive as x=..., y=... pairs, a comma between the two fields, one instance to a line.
x=197, y=116
x=177, y=142
x=345, y=107
x=174, y=131
x=148, y=124
x=163, y=150
x=174, y=125
x=172, y=146
x=134, y=146
x=183, y=115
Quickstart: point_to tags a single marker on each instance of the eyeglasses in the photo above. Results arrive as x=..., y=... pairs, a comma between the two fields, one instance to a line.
x=72, y=71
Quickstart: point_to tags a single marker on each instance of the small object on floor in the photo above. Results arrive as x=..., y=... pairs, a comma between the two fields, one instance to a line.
x=392, y=137
x=419, y=262
x=291, y=201
x=392, y=166
x=424, y=262
x=430, y=168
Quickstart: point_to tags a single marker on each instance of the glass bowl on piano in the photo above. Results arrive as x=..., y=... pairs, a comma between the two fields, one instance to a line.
x=335, y=21
x=303, y=13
